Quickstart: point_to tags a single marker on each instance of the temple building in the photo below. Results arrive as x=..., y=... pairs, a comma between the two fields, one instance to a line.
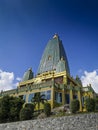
x=53, y=79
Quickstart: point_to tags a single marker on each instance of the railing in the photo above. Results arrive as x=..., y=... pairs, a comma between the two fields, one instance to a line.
x=13, y=91
x=26, y=88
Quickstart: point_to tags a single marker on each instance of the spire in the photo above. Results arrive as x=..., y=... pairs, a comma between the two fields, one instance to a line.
x=52, y=56
x=28, y=75
x=30, y=69
x=56, y=36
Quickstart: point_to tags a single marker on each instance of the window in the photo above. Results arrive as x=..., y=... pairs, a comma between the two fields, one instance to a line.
x=49, y=57
x=74, y=96
x=67, y=98
x=30, y=97
x=47, y=94
x=82, y=101
x=58, y=97
x=24, y=97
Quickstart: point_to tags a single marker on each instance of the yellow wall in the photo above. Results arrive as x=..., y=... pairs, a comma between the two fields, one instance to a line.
x=46, y=81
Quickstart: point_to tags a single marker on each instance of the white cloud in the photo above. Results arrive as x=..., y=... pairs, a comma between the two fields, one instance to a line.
x=7, y=80
x=90, y=78
x=18, y=79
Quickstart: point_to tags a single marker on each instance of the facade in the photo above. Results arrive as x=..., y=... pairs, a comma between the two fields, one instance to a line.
x=53, y=79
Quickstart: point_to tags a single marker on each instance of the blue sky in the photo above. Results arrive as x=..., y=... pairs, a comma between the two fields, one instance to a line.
x=27, y=25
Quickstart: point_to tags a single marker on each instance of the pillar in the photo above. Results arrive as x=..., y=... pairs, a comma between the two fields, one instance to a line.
x=52, y=96
x=79, y=98
x=63, y=96
x=71, y=94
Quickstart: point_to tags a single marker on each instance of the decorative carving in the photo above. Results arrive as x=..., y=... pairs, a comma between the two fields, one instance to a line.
x=58, y=80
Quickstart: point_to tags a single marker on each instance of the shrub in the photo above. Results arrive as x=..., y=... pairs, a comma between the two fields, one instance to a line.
x=57, y=104
x=90, y=104
x=15, y=107
x=96, y=104
x=25, y=114
x=10, y=108
x=31, y=106
x=74, y=106
x=47, y=109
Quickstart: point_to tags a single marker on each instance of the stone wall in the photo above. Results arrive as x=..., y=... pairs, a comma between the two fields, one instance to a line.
x=74, y=122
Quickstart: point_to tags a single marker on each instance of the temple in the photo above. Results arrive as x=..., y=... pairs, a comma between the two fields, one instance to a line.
x=53, y=79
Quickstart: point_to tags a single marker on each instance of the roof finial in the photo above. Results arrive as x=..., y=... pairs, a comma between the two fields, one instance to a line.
x=30, y=69
x=56, y=35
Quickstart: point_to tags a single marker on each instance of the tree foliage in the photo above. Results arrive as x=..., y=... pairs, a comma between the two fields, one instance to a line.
x=15, y=107
x=25, y=113
x=47, y=109
x=74, y=106
x=96, y=104
x=31, y=106
x=37, y=99
x=90, y=104
x=4, y=109
x=10, y=108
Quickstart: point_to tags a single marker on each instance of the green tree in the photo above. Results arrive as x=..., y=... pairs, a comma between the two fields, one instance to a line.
x=74, y=105
x=10, y=108
x=90, y=104
x=15, y=107
x=4, y=109
x=96, y=104
x=47, y=109
x=25, y=113
x=30, y=105
x=37, y=99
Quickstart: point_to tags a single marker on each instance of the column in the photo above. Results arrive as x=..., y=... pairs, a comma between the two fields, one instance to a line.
x=79, y=98
x=63, y=96
x=65, y=79
x=52, y=93
x=52, y=96
x=71, y=94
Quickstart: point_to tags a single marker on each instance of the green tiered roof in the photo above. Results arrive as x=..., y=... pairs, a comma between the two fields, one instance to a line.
x=27, y=75
x=54, y=57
